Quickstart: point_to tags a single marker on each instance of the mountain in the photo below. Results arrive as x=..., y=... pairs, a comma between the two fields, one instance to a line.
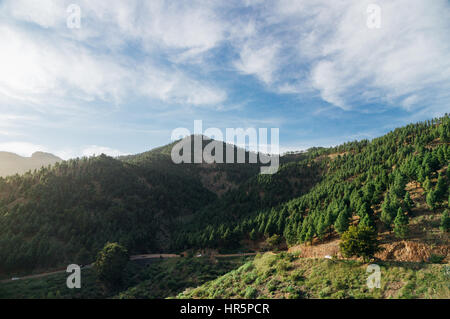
x=69, y=211
x=66, y=213
x=11, y=163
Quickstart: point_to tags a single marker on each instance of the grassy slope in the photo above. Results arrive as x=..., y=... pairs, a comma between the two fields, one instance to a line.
x=286, y=276
x=162, y=278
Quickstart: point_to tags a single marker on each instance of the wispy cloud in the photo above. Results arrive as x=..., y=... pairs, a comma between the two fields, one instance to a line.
x=158, y=64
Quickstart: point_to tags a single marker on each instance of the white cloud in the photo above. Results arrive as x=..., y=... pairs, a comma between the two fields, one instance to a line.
x=297, y=47
x=176, y=87
x=408, y=56
x=259, y=61
x=46, y=13
x=64, y=66
x=326, y=47
x=40, y=70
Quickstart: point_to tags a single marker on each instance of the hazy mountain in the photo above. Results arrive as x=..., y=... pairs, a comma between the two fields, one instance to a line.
x=11, y=163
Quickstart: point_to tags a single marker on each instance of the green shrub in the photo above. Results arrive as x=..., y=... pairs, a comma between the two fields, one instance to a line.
x=436, y=259
x=273, y=285
x=251, y=293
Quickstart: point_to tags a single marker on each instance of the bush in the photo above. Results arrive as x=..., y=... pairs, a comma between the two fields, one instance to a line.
x=436, y=259
x=251, y=293
x=110, y=264
x=359, y=241
x=273, y=285
x=274, y=242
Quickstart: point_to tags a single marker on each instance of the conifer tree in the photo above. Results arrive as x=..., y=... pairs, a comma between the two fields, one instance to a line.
x=445, y=221
x=401, y=224
x=432, y=200
x=409, y=204
x=342, y=222
x=441, y=188
x=387, y=212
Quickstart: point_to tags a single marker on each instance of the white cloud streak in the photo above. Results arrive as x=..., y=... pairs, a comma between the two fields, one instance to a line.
x=319, y=47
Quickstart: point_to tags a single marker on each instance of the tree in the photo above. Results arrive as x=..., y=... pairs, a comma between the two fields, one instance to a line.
x=321, y=228
x=399, y=185
x=366, y=221
x=342, y=222
x=387, y=211
x=401, y=224
x=360, y=242
x=110, y=264
x=432, y=200
x=445, y=221
x=253, y=235
x=427, y=185
x=441, y=188
x=409, y=204
x=274, y=241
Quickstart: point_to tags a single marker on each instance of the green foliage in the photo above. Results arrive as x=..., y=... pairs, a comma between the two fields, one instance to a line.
x=441, y=188
x=342, y=222
x=436, y=259
x=319, y=278
x=274, y=241
x=445, y=221
x=401, y=224
x=110, y=264
x=432, y=200
x=360, y=242
x=251, y=293
x=407, y=202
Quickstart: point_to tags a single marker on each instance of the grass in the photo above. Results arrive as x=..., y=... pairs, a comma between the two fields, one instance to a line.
x=53, y=286
x=162, y=278
x=284, y=276
x=171, y=276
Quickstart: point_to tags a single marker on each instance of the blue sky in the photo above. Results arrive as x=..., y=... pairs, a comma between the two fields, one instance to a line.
x=136, y=70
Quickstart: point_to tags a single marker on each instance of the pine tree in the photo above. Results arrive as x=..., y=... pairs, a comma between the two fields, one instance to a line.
x=387, y=212
x=342, y=222
x=441, y=188
x=427, y=185
x=445, y=221
x=360, y=242
x=309, y=234
x=366, y=221
x=409, y=204
x=399, y=185
x=253, y=234
x=432, y=200
x=321, y=228
x=401, y=224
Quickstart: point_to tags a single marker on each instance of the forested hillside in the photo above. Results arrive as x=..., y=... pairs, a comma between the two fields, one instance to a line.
x=360, y=182
x=66, y=213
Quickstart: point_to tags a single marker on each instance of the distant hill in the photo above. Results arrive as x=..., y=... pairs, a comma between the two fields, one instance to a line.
x=11, y=163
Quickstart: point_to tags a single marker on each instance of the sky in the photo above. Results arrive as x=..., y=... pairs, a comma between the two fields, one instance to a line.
x=323, y=72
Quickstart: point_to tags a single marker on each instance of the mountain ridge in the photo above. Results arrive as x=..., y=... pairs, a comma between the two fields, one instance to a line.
x=12, y=163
